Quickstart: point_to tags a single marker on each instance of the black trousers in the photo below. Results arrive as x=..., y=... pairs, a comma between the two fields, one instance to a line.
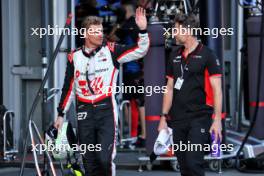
x=97, y=126
x=194, y=131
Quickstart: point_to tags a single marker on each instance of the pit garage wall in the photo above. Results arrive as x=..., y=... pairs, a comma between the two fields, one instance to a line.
x=22, y=60
x=1, y=58
x=12, y=55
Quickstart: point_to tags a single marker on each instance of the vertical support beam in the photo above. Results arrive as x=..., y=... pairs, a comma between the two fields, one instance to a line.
x=210, y=17
x=256, y=76
x=239, y=40
x=11, y=47
x=1, y=58
x=154, y=75
x=59, y=16
x=46, y=118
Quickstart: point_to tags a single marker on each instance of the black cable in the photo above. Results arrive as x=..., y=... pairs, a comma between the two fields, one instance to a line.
x=258, y=96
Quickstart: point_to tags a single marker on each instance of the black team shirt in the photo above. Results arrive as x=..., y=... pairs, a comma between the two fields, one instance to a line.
x=195, y=98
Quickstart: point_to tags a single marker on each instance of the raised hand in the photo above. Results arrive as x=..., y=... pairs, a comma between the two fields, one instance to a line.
x=141, y=19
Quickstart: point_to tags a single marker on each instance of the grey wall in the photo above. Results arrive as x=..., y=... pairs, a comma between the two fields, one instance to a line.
x=22, y=59
x=20, y=50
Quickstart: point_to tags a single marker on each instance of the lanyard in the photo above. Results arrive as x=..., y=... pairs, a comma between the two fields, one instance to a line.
x=187, y=60
x=89, y=82
x=185, y=67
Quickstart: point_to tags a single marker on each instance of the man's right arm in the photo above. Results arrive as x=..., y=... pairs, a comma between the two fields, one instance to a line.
x=168, y=95
x=167, y=102
x=68, y=92
x=167, y=98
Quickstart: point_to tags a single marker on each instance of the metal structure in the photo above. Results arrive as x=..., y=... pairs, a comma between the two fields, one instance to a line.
x=33, y=127
x=164, y=11
x=124, y=137
x=122, y=133
x=9, y=154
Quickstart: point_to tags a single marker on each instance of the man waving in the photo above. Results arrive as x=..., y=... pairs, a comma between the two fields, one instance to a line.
x=91, y=69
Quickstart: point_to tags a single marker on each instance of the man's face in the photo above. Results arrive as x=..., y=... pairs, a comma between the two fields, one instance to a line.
x=180, y=34
x=95, y=35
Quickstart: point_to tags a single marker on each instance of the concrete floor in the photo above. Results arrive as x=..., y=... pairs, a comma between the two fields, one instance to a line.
x=126, y=163
x=125, y=172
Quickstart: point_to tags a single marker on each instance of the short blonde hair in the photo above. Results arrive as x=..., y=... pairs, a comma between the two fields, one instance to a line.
x=91, y=20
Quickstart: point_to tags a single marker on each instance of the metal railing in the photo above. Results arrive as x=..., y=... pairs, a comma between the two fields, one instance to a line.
x=9, y=154
x=123, y=138
x=122, y=122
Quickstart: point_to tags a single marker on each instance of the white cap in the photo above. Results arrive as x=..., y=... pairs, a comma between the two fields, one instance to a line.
x=163, y=142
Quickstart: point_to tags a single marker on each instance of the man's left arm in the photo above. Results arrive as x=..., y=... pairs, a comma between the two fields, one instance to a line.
x=215, y=72
x=217, y=92
x=123, y=53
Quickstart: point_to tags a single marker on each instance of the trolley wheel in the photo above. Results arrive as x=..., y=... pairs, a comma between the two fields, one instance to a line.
x=45, y=173
x=229, y=124
x=213, y=165
x=240, y=164
x=13, y=157
x=140, y=169
x=149, y=166
x=229, y=163
x=175, y=166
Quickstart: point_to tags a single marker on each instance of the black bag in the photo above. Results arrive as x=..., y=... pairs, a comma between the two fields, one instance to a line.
x=9, y=133
x=252, y=165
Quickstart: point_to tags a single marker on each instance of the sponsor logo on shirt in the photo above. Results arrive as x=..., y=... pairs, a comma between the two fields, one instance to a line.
x=101, y=70
x=102, y=60
x=101, y=54
x=177, y=59
x=77, y=73
x=197, y=57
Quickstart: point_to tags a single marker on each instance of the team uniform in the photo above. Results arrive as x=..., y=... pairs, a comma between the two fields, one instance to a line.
x=90, y=78
x=192, y=104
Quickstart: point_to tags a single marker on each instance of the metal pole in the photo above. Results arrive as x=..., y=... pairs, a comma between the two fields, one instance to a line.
x=12, y=150
x=34, y=146
x=45, y=56
x=4, y=121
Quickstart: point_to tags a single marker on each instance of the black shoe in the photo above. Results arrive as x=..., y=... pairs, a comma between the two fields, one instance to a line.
x=1, y=155
x=141, y=143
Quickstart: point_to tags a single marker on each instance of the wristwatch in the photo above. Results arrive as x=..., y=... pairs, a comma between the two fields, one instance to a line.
x=164, y=114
